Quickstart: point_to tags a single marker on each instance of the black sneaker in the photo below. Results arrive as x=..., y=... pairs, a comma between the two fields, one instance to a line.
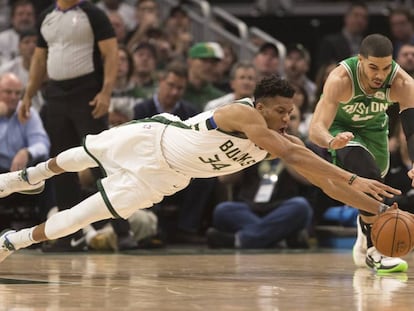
x=220, y=239
x=72, y=243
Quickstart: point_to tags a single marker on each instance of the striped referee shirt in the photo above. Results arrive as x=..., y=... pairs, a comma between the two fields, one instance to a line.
x=71, y=37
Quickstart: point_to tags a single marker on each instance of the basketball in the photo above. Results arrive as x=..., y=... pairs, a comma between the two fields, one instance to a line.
x=393, y=233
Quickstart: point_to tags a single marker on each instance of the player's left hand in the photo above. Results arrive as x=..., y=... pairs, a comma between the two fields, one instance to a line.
x=101, y=103
x=375, y=188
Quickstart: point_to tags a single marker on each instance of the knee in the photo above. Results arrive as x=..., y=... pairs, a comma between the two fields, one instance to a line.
x=301, y=209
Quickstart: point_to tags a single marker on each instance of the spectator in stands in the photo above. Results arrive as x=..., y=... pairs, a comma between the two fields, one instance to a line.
x=400, y=164
x=338, y=46
x=123, y=100
x=191, y=203
x=20, y=65
x=268, y=210
x=178, y=31
x=405, y=58
x=147, y=16
x=125, y=10
x=81, y=64
x=296, y=66
x=21, y=145
x=119, y=26
x=202, y=61
x=22, y=18
x=223, y=68
x=243, y=78
x=144, y=75
x=401, y=28
x=267, y=60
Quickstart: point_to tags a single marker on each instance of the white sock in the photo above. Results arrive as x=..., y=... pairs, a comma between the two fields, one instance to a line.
x=39, y=172
x=22, y=238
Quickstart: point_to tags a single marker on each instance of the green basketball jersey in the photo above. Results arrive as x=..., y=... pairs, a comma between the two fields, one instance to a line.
x=365, y=115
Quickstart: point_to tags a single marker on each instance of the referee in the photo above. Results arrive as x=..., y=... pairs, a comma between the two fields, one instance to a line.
x=77, y=52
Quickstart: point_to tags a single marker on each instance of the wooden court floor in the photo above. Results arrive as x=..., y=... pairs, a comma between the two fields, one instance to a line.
x=154, y=280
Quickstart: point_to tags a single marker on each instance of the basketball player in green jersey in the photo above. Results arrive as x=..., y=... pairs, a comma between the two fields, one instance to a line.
x=350, y=120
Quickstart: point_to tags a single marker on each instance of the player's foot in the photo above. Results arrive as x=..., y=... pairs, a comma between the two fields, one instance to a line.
x=6, y=247
x=384, y=264
x=359, y=251
x=18, y=182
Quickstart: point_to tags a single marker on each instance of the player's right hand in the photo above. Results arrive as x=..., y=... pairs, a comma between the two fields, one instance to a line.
x=23, y=112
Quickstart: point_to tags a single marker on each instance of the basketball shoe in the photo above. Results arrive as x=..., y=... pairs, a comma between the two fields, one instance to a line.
x=6, y=247
x=17, y=182
x=372, y=258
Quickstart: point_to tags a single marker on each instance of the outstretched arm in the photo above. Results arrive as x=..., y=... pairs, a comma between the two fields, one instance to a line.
x=334, y=91
x=333, y=180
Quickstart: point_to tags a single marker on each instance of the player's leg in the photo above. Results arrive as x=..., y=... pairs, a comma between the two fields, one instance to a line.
x=31, y=180
x=358, y=160
x=59, y=225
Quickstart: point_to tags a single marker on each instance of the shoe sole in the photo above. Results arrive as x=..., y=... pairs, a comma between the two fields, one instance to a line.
x=402, y=267
x=8, y=252
x=33, y=191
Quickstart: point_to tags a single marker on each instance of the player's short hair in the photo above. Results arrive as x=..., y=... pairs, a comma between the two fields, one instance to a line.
x=376, y=45
x=272, y=86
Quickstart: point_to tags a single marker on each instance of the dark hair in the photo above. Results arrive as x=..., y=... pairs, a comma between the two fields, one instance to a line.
x=376, y=45
x=131, y=65
x=402, y=11
x=356, y=4
x=176, y=67
x=31, y=32
x=272, y=86
x=20, y=3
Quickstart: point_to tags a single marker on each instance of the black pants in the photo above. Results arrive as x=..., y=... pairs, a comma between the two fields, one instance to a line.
x=67, y=117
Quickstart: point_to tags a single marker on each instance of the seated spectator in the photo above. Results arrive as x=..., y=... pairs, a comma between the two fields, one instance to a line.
x=178, y=31
x=22, y=18
x=125, y=10
x=190, y=204
x=119, y=26
x=224, y=66
x=144, y=74
x=269, y=206
x=123, y=98
x=397, y=177
x=405, y=58
x=345, y=43
x=296, y=66
x=401, y=28
x=20, y=65
x=242, y=82
x=21, y=145
x=203, y=58
x=267, y=60
x=147, y=16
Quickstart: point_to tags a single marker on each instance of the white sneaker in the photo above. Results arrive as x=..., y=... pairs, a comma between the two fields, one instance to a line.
x=18, y=182
x=359, y=251
x=384, y=264
x=6, y=247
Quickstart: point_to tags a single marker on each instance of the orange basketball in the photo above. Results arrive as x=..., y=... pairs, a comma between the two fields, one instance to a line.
x=393, y=233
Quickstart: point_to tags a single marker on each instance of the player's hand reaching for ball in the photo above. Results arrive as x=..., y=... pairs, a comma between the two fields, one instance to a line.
x=375, y=188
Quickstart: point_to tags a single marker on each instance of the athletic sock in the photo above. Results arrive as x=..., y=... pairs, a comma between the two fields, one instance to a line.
x=366, y=229
x=22, y=238
x=39, y=172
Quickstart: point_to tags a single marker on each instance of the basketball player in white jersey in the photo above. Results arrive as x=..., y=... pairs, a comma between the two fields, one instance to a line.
x=148, y=159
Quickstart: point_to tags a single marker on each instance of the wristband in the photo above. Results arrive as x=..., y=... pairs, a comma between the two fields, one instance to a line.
x=351, y=180
x=382, y=208
x=330, y=143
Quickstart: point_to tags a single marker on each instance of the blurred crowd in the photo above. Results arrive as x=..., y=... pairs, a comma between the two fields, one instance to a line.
x=161, y=67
